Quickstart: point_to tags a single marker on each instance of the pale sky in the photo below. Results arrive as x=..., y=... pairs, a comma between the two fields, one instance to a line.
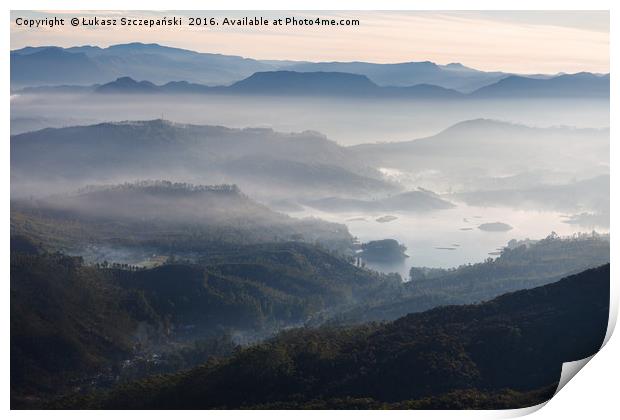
x=519, y=41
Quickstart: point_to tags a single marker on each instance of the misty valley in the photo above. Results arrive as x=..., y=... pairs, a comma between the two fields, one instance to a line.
x=202, y=231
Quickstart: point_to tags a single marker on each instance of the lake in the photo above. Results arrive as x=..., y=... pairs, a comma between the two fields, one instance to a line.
x=449, y=238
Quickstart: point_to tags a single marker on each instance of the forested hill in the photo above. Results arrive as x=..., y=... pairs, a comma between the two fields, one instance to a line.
x=74, y=325
x=505, y=353
x=521, y=265
x=161, y=149
x=175, y=217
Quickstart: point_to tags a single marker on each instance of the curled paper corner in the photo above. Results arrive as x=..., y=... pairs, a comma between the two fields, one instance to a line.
x=522, y=412
x=569, y=370
x=613, y=316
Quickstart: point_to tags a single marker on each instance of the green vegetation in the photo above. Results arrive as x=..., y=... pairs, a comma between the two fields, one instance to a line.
x=172, y=217
x=385, y=250
x=71, y=323
x=67, y=321
x=521, y=265
x=507, y=352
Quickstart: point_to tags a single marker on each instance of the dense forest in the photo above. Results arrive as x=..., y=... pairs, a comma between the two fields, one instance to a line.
x=175, y=217
x=90, y=318
x=521, y=265
x=507, y=352
x=81, y=326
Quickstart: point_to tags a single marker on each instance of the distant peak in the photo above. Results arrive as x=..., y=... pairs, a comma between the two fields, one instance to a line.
x=483, y=122
x=125, y=79
x=457, y=66
x=135, y=44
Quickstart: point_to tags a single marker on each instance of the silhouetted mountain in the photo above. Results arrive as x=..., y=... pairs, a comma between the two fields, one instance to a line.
x=159, y=64
x=290, y=82
x=492, y=355
x=579, y=85
x=330, y=84
x=294, y=83
x=33, y=66
x=276, y=83
x=54, y=65
x=451, y=76
x=127, y=85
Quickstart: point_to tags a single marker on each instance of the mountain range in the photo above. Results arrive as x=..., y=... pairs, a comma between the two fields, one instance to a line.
x=262, y=158
x=495, y=146
x=293, y=165
x=337, y=84
x=88, y=65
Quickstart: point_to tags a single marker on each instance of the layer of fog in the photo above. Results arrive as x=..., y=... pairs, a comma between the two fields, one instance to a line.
x=542, y=182
x=347, y=122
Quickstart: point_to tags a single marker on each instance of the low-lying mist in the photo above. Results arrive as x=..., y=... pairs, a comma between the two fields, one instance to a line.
x=422, y=168
x=346, y=121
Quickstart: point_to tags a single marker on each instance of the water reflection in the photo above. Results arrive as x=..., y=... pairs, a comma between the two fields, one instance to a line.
x=448, y=238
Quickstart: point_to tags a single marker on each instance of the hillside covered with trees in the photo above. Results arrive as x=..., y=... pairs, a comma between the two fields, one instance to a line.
x=507, y=352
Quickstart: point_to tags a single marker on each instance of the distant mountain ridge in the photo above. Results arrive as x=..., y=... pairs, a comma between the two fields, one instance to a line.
x=284, y=83
x=320, y=83
x=493, y=144
x=159, y=149
x=577, y=85
x=33, y=65
x=51, y=65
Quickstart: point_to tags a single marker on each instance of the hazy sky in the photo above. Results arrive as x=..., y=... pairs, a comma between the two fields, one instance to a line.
x=524, y=42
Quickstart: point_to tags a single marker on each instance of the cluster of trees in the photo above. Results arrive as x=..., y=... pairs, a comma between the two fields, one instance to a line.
x=118, y=266
x=521, y=265
x=505, y=353
x=172, y=217
x=90, y=318
x=80, y=327
x=163, y=186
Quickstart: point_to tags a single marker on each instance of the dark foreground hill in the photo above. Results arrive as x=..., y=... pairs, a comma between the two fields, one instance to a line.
x=75, y=326
x=505, y=353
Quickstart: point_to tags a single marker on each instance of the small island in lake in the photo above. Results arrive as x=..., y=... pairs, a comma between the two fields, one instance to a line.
x=495, y=227
x=385, y=219
x=384, y=250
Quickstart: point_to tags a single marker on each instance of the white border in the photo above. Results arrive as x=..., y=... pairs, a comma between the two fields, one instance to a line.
x=592, y=394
